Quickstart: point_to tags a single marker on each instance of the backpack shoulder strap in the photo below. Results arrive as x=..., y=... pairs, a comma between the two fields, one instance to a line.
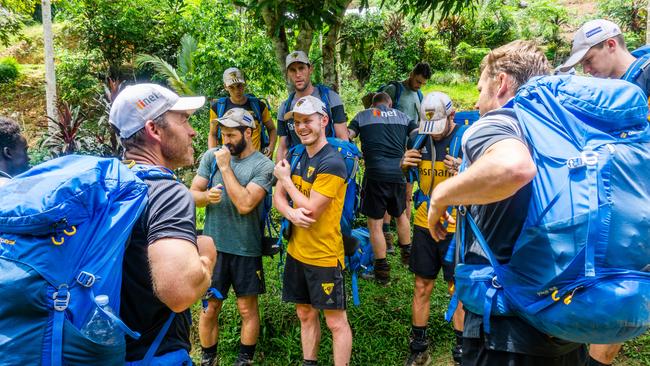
x=420, y=95
x=150, y=172
x=456, y=141
x=324, y=92
x=221, y=106
x=634, y=71
x=296, y=153
x=255, y=105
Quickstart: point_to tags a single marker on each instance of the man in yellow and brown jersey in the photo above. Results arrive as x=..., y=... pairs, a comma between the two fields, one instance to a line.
x=235, y=84
x=435, y=165
x=313, y=274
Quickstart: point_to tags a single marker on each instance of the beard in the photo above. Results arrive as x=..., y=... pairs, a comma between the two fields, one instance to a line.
x=238, y=148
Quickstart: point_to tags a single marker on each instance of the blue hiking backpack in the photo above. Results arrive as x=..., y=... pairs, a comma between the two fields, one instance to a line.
x=63, y=229
x=351, y=155
x=466, y=117
x=580, y=268
x=638, y=67
x=219, y=107
x=324, y=93
x=361, y=261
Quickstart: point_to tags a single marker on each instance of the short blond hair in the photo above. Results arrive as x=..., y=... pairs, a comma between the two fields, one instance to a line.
x=520, y=59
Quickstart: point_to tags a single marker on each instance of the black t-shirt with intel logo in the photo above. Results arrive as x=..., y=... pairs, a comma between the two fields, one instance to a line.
x=383, y=132
x=170, y=213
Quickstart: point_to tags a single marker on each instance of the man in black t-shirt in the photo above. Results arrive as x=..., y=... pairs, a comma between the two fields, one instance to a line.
x=166, y=267
x=383, y=132
x=497, y=186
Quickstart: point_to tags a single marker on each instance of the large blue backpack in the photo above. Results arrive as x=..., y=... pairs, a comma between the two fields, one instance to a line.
x=219, y=108
x=63, y=229
x=351, y=155
x=580, y=268
x=361, y=261
x=324, y=93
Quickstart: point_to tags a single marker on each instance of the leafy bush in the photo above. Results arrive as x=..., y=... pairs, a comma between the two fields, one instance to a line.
x=9, y=70
x=437, y=54
x=468, y=58
x=76, y=76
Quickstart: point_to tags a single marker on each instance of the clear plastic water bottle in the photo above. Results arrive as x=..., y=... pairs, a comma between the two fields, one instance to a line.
x=101, y=328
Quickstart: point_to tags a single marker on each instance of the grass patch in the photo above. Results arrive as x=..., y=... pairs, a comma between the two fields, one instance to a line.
x=463, y=94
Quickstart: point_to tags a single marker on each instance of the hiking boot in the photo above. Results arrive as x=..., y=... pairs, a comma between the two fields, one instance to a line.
x=382, y=276
x=390, y=249
x=240, y=361
x=418, y=359
x=457, y=354
x=209, y=359
x=405, y=252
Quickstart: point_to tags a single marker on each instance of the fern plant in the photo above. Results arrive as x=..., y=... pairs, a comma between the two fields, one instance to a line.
x=177, y=78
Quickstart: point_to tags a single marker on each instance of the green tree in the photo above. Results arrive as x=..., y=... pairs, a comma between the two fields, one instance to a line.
x=13, y=13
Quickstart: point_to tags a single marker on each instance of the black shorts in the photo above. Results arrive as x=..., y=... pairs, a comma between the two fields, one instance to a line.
x=427, y=256
x=377, y=198
x=321, y=287
x=475, y=353
x=245, y=274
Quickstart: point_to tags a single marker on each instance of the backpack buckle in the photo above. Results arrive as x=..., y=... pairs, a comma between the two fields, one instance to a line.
x=61, y=298
x=86, y=279
x=495, y=282
x=586, y=158
x=462, y=210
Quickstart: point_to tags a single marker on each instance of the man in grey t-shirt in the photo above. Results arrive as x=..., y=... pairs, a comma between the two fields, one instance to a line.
x=232, y=181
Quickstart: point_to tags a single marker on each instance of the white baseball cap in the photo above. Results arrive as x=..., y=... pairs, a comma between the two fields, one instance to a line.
x=434, y=110
x=307, y=105
x=233, y=76
x=237, y=117
x=297, y=56
x=590, y=34
x=139, y=103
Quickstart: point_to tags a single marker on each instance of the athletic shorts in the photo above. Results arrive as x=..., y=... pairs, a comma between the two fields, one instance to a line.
x=427, y=256
x=244, y=274
x=321, y=287
x=377, y=198
x=475, y=353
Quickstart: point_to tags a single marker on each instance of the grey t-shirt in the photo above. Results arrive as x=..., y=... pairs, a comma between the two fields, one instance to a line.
x=234, y=233
x=285, y=127
x=409, y=101
x=500, y=223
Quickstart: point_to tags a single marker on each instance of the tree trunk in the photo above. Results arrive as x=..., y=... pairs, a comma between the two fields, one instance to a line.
x=647, y=28
x=278, y=36
x=305, y=38
x=331, y=57
x=50, y=76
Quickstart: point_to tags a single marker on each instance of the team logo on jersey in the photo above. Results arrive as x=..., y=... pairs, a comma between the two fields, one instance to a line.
x=327, y=287
x=310, y=171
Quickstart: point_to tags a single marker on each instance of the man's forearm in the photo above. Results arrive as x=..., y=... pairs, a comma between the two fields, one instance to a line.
x=494, y=177
x=238, y=194
x=299, y=199
x=200, y=198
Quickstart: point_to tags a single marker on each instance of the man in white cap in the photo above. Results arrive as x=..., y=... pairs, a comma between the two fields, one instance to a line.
x=299, y=70
x=383, y=132
x=264, y=132
x=232, y=182
x=167, y=268
x=434, y=162
x=600, y=48
x=313, y=274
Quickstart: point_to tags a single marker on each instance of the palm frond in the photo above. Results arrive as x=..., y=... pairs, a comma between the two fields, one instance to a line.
x=166, y=70
x=185, y=60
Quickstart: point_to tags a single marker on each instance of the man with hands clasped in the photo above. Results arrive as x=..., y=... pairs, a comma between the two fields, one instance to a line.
x=313, y=274
x=240, y=177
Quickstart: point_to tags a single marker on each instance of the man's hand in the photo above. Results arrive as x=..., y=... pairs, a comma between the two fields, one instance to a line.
x=267, y=152
x=282, y=170
x=214, y=194
x=300, y=218
x=436, y=228
x=223, y=158
x=452, y=164
x=411, y=158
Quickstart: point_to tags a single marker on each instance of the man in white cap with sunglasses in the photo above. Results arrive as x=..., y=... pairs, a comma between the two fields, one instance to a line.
x=313, y=274
x=436, y=159
x=600, y=48
x=167, y=268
